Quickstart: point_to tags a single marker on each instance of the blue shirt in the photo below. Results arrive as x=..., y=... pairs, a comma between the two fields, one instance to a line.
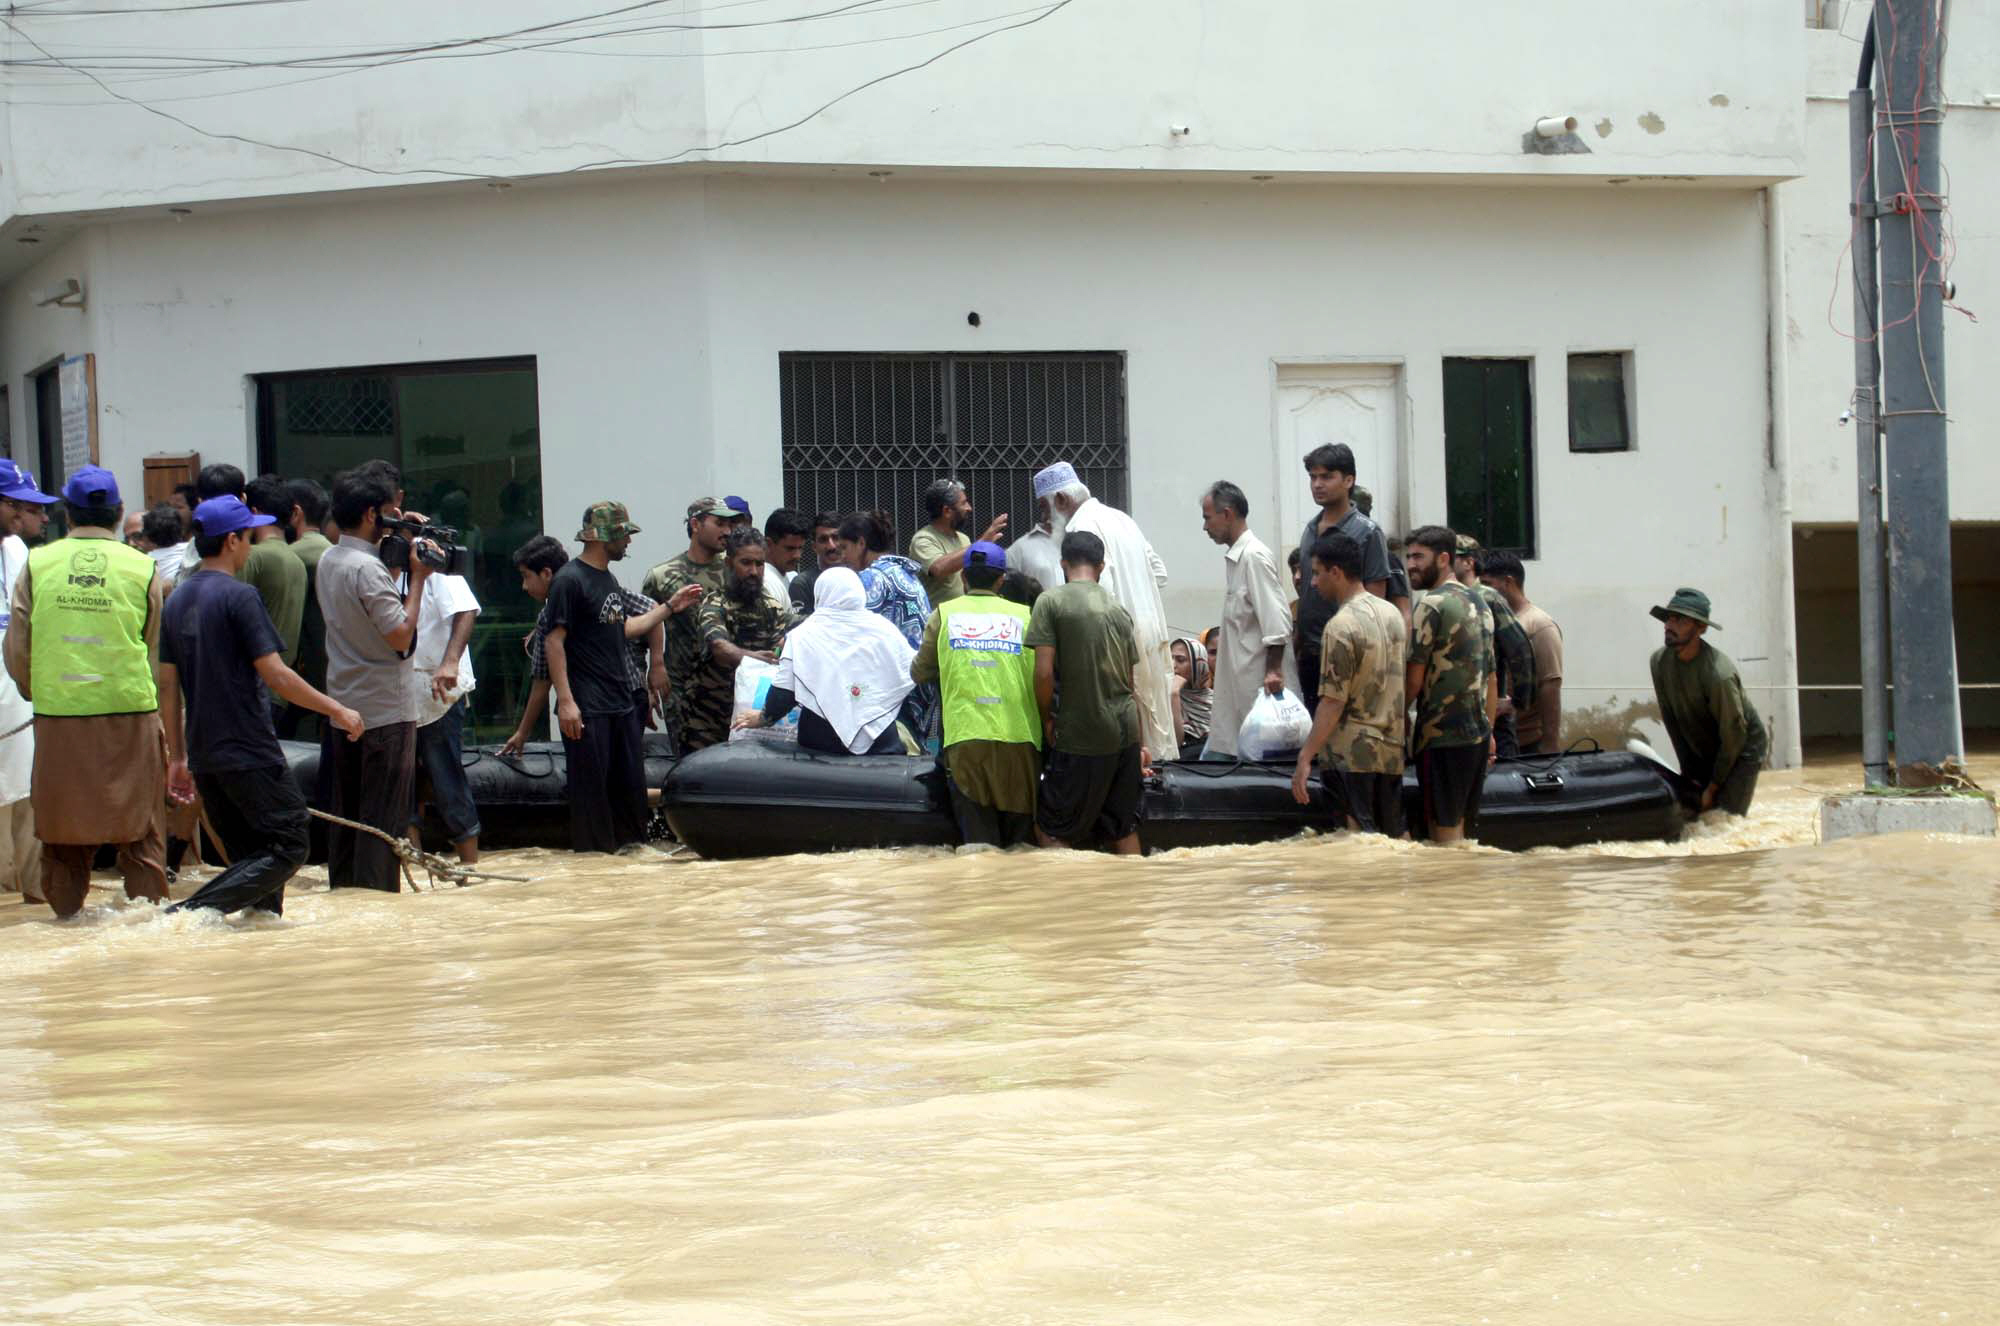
x=213, y=631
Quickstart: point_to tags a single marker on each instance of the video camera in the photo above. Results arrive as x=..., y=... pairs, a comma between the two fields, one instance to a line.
x=442, y=553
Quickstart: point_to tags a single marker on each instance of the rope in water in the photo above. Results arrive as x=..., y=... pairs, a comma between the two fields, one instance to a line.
x=436, y=867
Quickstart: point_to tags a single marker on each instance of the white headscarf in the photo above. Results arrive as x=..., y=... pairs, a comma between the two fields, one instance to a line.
x=845, y=663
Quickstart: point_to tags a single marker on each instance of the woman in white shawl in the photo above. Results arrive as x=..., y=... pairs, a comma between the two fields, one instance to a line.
x=846, y=668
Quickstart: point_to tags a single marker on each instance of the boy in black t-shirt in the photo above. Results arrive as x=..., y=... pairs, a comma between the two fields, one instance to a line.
x=218, y=645
x=586, y=660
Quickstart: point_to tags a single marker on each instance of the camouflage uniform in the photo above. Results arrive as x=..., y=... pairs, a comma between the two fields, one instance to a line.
x=1451, y=633
x=684, y=648
x=756, y=626
x=1361, y=667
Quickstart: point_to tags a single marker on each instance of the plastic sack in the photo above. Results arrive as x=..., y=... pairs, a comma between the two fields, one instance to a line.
x=1275, y=728
x=753, y=686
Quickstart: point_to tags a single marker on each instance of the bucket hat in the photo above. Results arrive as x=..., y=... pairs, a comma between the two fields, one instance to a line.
x=1689, y=603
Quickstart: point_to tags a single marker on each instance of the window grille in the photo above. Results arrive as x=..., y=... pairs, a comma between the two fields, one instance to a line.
x=868, y=431
x=342, y=406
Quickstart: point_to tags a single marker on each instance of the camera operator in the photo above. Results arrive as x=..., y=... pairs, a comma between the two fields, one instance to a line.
x=369, y=631
x=440, y=668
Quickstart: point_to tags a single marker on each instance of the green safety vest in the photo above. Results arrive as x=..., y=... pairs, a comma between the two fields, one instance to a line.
x=88, y=652
x=987, y=671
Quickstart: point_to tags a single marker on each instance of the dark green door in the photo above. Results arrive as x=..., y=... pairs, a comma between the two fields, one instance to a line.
x=1488, y=452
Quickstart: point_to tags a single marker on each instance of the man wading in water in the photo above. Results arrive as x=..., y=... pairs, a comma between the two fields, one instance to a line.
x=1717, y=734
x=218, y=645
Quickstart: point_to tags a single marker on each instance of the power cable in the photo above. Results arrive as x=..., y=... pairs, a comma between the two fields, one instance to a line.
x=393, y=54
x=1056, y=7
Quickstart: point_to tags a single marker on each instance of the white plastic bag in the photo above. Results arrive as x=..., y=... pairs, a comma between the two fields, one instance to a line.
x=1275, y=727
x=753, y=687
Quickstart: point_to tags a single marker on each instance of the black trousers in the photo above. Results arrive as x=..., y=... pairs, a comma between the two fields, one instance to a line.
x=979, y=823
x=1308, y=661
x=261, y=818
x=607, y=783
x=374, y=780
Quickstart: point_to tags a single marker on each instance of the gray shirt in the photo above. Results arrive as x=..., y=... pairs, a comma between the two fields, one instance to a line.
x=1314, y=611
x=357, y=595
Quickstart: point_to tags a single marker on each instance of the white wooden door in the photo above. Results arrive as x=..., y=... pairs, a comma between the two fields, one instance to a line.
x=1359, y=404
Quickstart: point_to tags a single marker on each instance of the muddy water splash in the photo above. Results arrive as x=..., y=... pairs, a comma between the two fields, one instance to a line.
x=1337, y=1080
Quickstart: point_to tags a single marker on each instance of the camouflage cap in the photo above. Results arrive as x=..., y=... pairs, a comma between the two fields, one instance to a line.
x=711, y=506
x=1468, y=546
x=605, y=522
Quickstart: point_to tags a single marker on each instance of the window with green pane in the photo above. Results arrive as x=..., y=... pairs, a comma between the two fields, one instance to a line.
x=1489, y=452
x=467, y=439
x=1600, y=417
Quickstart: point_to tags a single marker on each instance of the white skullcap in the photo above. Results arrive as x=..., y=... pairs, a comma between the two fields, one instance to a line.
x=1057, y=476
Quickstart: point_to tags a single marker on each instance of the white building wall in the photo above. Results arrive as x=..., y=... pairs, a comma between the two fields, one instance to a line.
x=1705, y=88
x=657, y=312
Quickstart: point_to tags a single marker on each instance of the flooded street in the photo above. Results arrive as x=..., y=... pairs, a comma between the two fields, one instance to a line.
x=1335, y=1080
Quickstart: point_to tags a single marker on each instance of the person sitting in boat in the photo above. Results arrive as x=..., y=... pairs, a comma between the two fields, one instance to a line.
x=1192, y=693
x=895, y=591
x=846, y=669
x=743, y=621
x=973, y=648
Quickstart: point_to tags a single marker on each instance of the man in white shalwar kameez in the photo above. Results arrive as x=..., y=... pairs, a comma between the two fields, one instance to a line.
x=20, y=854
x=1134, y=574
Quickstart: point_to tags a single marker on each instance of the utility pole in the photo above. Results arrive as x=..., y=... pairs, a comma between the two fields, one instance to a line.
x=1909, y=206
x=1871, y=617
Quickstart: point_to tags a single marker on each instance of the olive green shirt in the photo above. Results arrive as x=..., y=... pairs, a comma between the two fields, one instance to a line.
x=1096, y=652
x=926, y=546
x=279, y=578
x=1709, y=719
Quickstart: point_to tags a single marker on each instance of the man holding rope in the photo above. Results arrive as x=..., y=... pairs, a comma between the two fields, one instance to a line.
x=217, y=644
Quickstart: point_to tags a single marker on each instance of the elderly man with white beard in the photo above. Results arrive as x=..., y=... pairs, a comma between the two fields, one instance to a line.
x=1133, y=573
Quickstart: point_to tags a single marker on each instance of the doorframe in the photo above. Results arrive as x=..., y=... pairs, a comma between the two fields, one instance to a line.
x=1281, y=473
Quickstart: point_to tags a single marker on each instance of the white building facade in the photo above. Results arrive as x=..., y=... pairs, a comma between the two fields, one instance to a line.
x=653, y=257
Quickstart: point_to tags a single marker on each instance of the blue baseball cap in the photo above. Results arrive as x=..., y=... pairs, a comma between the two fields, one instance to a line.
x=16, y=484
x=93, y=485
x=988, y=554
x=737, y=504
x=226, y=515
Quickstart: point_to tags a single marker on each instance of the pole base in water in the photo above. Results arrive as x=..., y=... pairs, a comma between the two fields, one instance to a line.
x=1863, y=813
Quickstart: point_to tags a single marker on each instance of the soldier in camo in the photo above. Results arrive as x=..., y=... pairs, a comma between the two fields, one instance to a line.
x=743, y=621
x=707, y=525
x=1452, y=683
x=1514, y=656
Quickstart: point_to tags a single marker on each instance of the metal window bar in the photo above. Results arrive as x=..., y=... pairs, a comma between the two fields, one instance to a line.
x=869, y=431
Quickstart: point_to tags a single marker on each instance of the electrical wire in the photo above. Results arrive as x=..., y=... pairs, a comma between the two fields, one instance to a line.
x=1046, y=12
x=393, y=54
x=536, y=50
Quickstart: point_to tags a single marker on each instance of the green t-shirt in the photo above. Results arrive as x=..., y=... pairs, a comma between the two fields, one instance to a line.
x=1709, y=719
x=926, y=546
x=1451, y=634
x=1095, y=654
x=279, y=578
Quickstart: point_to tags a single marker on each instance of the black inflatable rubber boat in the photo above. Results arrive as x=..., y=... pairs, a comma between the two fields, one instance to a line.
x=747, y=799
x=523, y=799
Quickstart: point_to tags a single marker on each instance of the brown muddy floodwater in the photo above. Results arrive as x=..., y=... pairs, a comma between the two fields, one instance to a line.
x=1747, y=1079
